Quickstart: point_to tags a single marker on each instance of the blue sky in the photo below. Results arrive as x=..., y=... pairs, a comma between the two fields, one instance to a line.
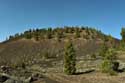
x=20, y=15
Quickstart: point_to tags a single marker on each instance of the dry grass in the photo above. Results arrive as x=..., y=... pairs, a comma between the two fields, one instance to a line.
x=31, y=52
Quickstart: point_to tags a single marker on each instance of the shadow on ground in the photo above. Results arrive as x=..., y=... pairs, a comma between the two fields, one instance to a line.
x=85, y=72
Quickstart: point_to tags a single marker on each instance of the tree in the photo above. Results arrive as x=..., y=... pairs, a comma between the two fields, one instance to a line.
x=59, y=35
x=36, y=36
x=10, y=37
x=28, y=34
x=17, y=35
x=103, y=50
x=69, y=59
x=122, y=44
x=123, y=34
x=77, y=33
x=49, y=35
x=109, y=63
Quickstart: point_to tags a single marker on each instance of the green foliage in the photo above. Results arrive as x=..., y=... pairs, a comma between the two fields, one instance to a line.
x=123, y=34
x=60, y=35
x=59, y=32
x=106, y=66
x=122, y=43
x=87, y=31
x=28, y=34
x=103, y=50
x=77, y=33
x=46, y=55
x=122, y=46
x=109, y=64
x=16, y=35
x=48, y=35
x=11, y=37
x=36, y=36
x=69, y=59
x=93, y=56
x=110, y=54
x=19, y=65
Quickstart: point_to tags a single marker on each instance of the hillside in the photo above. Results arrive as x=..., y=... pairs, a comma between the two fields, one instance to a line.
x=42, y=50
x=35, y=44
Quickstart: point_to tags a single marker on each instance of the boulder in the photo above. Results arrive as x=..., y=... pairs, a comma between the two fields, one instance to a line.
x=3, y=79
x=10, y=81
x=13, y=81
x=29, y=80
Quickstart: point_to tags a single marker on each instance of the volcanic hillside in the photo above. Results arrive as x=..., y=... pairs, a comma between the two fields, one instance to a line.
x=34, y=46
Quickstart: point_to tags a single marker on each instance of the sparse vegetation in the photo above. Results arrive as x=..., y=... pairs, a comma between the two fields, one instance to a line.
x=59, y=32
x=37, y=50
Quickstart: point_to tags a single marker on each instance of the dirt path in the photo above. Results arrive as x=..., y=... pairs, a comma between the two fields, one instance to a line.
x=87, y=78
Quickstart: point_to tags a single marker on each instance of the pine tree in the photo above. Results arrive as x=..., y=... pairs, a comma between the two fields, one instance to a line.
x=123, y=38
x=77, y=33
x=109, y=63
x=36, y=36
x=103, y=50
x=28, y=34
x=69, y=59
x=123, y=34
x=49, y=33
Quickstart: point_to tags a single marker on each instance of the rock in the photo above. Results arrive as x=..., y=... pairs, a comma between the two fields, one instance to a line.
x=10, y=81
x=34, y=77
x=3, y=79
x=29, y=80
x=5, y=68
x=13, y=81
x=37, y=75
x=18, y=81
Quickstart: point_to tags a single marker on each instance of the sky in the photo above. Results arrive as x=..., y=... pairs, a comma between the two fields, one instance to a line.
x=19, y=15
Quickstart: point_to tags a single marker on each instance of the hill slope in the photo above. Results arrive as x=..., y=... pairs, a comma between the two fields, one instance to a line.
x=50, y=43
x=42, y=50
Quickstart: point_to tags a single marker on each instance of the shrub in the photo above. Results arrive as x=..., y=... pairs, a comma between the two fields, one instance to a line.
x=109, y=64
x=123, y=34
x=69, y=59
x=106, y=66
x=77, y=34
x=110, y=55
x=48, y=35
x=46, y=55
x=93, y=56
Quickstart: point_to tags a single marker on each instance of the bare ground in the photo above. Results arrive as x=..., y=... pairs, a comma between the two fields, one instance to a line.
x=94, y=77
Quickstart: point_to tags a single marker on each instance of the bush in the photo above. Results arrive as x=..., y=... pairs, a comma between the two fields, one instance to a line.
x=106, y=66
x=69, y=59
x=77, y=33
x=93, y=56
x=109, y=64
x=48, y=35
x=110, y=55
x=112, y=73
x=46, y=55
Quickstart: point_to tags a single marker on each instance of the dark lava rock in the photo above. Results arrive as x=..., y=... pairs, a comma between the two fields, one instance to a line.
x=10, y=81
x=3, y=79
x=13, y=81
